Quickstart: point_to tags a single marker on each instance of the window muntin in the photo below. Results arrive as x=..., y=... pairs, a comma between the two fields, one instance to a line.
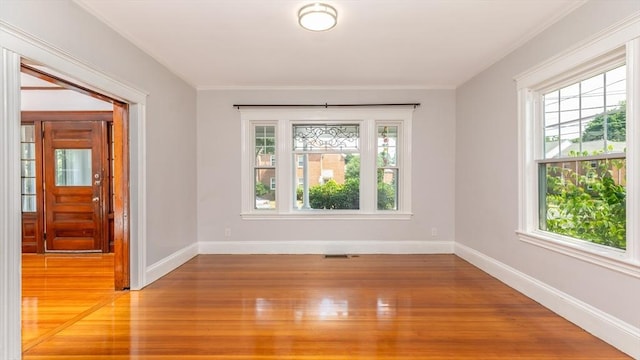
x=588, y=117
x=264, y=166
x=584, y=195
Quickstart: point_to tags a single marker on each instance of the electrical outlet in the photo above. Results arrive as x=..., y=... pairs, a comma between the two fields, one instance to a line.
x=434, y=231
x=227, y=232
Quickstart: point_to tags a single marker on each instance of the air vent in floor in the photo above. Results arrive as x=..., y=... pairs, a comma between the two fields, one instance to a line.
x=336, y=256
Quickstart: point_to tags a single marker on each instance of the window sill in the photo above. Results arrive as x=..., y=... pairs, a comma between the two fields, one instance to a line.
x=324, y=215
x=608, y=258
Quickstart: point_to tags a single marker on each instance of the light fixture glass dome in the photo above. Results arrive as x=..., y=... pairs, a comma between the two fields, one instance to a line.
x=317, y=17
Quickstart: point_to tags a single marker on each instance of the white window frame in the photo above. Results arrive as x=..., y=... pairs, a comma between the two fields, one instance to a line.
x=368, y=119
x=618, y=43
x=272, y=183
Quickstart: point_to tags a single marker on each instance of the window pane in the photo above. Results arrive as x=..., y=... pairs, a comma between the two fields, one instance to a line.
x=265, y=195
x=73, y=167
x=28, y=203
x=265, y=145
x=387, y=146
x=570, y=98
x=28, y=168
x=328, y=181
x=28, y=151
x=28, y=185
x=27, y=133
x=616, y=86
x=585, y=200
x=592, y=91
x=325, y=137
x=387, y=189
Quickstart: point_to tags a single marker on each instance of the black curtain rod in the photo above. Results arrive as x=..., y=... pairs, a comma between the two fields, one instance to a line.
x=325, y=105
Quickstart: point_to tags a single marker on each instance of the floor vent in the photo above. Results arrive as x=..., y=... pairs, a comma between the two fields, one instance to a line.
x=337, y=256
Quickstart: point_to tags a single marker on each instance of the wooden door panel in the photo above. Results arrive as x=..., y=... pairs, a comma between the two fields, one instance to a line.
x=30, y=232
x=74, y=164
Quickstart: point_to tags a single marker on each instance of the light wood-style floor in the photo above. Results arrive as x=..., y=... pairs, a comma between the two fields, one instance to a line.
x=293, y=307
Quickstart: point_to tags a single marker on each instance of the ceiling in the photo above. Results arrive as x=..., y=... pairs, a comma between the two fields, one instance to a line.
x=225, y=44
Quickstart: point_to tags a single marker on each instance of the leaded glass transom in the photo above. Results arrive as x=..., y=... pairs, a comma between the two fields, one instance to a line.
x=326, y=137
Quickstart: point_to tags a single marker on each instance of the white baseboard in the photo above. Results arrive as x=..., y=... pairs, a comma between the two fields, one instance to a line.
x=170, y=263
x=614, y=331
x=326, y=247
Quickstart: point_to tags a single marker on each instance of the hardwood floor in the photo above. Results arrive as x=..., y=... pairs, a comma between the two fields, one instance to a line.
x=308, y=307
x=59, y=289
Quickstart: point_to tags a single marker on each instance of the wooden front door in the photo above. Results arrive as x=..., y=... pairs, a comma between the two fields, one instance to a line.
x=74, y=164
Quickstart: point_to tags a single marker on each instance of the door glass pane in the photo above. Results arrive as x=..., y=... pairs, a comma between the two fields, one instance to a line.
x=28, y=203
x=73, y=167
x=27, y=133
x=28, y=151
x=28, y=168
x=28, y=186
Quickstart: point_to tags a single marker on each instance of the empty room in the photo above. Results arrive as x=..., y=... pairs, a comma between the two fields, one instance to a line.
x=344, y=179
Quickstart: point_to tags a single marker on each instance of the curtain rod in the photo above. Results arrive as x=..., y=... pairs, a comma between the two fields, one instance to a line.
x=325, y=105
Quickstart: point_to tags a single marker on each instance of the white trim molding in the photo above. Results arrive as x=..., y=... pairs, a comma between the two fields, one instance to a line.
x=170, y=263
x=614, y=331
x=584, y=251
x=617, y=45
x=10, y=208
x=601, y=43
x=326, y=247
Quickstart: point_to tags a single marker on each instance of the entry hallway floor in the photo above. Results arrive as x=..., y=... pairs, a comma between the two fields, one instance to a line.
x=308, y=307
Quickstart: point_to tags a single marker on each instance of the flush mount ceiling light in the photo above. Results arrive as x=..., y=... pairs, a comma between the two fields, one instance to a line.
x=317, y=17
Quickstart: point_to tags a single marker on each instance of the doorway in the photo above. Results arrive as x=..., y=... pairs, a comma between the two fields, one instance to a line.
x=17, y=46
x=74, y=169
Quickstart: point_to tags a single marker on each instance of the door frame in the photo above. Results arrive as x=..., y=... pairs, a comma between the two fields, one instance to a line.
x=120, y=120
x=16, y=44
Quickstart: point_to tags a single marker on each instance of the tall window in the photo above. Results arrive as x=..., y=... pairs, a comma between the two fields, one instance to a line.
x=582, y=171
x=264, y=166
x=387, y=167
x=580, y=161
x=329, y=163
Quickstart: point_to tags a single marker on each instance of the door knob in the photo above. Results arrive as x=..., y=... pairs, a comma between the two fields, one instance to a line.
x=95, y=199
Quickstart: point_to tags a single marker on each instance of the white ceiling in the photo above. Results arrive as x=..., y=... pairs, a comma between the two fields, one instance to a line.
x=377, y=43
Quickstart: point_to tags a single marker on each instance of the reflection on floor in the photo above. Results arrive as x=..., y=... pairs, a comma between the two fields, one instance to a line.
x=60, y=289
x=279, y=307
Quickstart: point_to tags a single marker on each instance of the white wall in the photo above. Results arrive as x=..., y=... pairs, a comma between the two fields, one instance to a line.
x=487, y=172
x=219, y=179
x=170, y=111
x=61, y=100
